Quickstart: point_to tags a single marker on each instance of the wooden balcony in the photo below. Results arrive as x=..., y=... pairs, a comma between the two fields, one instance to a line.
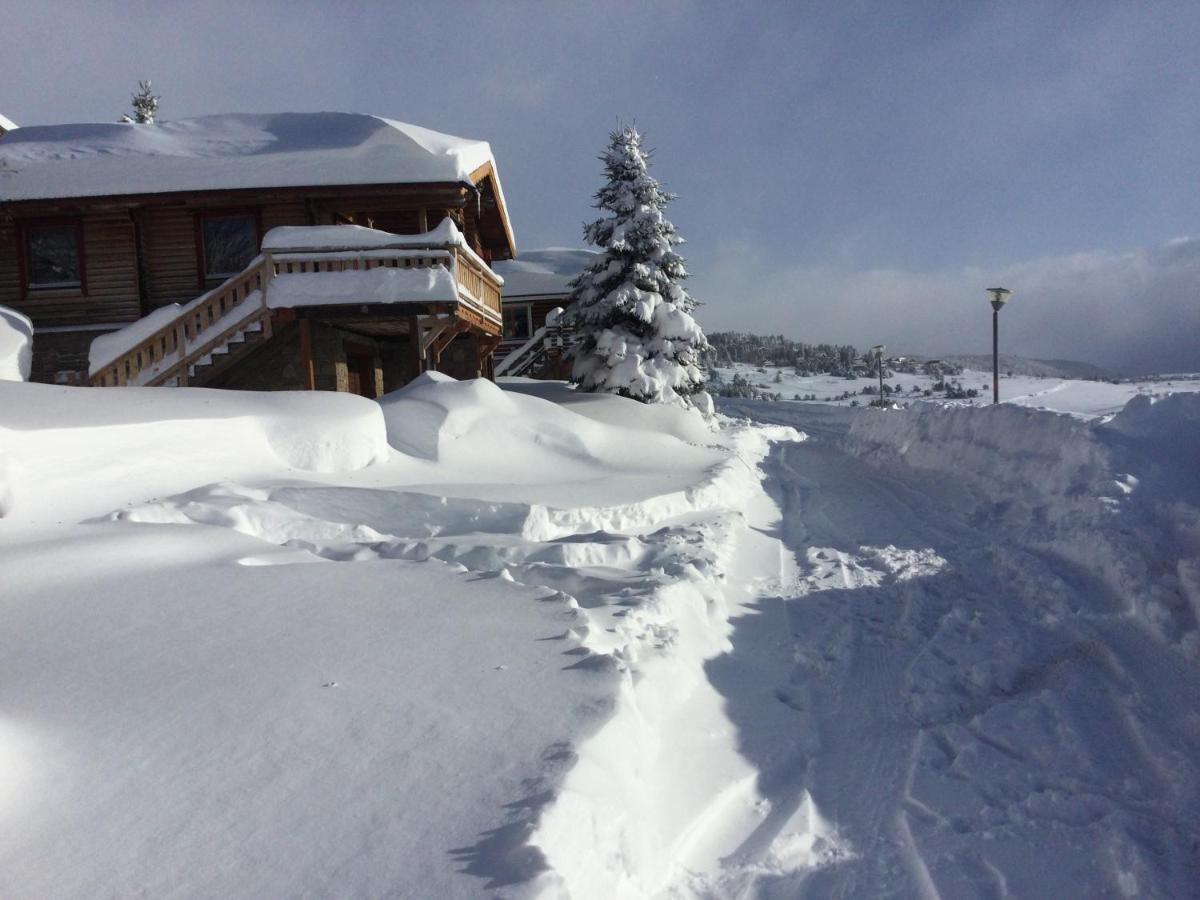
x=245, y=303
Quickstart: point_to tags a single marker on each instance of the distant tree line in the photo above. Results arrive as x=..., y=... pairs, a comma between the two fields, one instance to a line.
x=729, y=347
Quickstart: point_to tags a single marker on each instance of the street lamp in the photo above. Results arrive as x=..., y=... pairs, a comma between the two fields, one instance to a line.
x=999, y=298
x=878, y=351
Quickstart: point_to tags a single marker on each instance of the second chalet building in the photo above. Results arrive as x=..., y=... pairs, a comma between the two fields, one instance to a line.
x=308, y=250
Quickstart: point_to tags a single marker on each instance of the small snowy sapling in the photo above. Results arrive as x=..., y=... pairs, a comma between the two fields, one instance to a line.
x=145, y=106
x=637, y=337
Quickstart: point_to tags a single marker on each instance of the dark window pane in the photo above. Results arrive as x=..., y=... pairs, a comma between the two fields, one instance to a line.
x=230, y=242
x=516, y=323
x=53, y=256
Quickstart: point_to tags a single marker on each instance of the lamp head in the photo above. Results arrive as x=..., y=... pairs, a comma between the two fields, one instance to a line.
x=999, y=297
x=877, y=350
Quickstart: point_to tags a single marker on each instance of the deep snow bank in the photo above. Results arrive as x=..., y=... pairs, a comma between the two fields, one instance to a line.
x=16, y=345
x=512, y=641
x=1034, y=465
x=1119, y=497
x=479, y=432
x=610, y=409
x=73, y=452
x=650, y=797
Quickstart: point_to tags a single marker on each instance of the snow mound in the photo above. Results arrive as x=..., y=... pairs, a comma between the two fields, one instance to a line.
x=16, y=345
x=644, y=602
x=1161, y=436
x=518, y=434
x=72, y=451
x=1120, y=499
x=1027, y=458
x=685, y=424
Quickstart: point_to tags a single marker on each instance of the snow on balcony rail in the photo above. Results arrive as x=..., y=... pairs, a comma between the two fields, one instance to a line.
x=334, y=238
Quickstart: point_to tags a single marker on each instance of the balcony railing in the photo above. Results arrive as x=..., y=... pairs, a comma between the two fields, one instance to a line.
x=212, y=320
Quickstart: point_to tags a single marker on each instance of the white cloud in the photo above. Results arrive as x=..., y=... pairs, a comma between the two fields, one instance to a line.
x=1131, y=312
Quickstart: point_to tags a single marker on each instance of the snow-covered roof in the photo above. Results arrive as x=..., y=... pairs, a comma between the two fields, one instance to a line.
x=228, y=152
x=7, y=124
x=547, y=271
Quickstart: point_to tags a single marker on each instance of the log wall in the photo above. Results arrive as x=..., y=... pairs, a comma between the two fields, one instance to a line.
x=110, y=272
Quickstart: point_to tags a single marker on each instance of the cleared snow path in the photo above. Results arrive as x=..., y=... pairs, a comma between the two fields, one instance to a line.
x=974, y=714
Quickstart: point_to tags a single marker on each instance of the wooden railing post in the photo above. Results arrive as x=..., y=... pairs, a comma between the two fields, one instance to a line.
x=266, y=273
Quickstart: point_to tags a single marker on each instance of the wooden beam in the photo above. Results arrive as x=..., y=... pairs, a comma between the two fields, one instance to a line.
x=444, y=339
x=485, y=347
x=416, y=359
x=308, y=369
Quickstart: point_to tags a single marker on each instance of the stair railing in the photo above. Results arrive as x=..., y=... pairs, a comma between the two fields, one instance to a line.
x=173, y=349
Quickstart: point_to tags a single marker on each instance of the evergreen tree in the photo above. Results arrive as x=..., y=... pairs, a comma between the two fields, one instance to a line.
x=145, y=106
x=637, y=337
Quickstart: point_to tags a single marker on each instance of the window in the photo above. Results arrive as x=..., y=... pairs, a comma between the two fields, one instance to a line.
x=228, y=243
x=53, y=256
x=517, y=323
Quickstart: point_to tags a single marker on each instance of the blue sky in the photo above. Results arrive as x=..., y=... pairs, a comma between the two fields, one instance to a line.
x=846, y=171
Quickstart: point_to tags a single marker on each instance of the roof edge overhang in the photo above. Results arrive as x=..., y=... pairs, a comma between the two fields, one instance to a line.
x=488, y=169
x=175, y=197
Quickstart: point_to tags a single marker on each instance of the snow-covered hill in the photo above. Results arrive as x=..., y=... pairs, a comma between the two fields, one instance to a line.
x=481, y=641
x=1038, y=368
x=1085, y=398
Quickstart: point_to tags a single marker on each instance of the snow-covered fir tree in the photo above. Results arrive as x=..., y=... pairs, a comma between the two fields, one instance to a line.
x=145, y=106
x=637, y=337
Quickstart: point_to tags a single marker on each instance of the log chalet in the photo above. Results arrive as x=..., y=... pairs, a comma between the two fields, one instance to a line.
x=309, y=250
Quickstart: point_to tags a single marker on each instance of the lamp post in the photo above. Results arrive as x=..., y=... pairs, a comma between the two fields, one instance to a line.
x=878, y=351
x=999, y=298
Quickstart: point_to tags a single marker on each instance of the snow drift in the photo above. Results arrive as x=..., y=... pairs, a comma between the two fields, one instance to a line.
x=1118, y=496
x=16, y=345
x=75, y=451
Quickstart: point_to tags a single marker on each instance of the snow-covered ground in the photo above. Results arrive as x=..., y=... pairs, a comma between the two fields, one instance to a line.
x=473, y=641
x=984, y=663
x=1076, y=396
x=253, y=650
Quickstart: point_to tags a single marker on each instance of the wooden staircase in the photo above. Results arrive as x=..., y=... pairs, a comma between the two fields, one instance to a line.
x=212, y=332
x=542, y=352
x=238, y=348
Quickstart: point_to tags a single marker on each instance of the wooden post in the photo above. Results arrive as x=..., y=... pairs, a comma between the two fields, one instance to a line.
x=306, y=356
x=445, y=337
x=485, y=347
x=418, y=355
x=266, y=273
